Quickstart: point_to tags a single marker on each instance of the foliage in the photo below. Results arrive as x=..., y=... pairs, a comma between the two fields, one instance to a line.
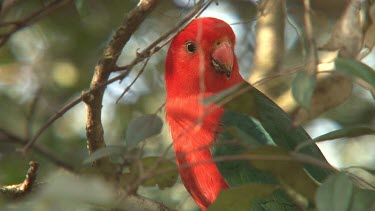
x=48, y=59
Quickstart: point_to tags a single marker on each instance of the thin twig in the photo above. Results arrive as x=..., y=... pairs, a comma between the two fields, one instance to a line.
x=31, y=114
x=291, y=157
x=7, y=136
x=135, y=79
x=48, y=9
x=59, y=114
x=105, y=66
x=150, y=50
x=196, y=12
x=6, y=6
x=313, y=54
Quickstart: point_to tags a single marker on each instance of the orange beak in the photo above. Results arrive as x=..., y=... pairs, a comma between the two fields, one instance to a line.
x=222, y=59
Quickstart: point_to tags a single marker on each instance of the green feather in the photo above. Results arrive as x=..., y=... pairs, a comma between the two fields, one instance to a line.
x=271, y=120
x=250, y=120
x=240, y=172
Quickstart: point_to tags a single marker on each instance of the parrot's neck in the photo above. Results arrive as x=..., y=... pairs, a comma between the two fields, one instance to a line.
x=193, y=131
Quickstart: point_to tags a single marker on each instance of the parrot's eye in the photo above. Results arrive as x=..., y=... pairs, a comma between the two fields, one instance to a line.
x=190, y=47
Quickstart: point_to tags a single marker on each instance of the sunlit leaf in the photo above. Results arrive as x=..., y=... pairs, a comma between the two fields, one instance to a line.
x=105, y=152
x=340, y=133
x=363, y=178
x=356, y=69
x=241, y=198
x=338, y=193
x=346, y=132
x=303, y=88
x=142, y=128
x=363, y=200
x=335, y=193
x=165, y=174
x=348, y=42
x=330, y=91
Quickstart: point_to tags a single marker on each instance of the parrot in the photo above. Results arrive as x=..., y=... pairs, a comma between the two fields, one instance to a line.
x=201, y=64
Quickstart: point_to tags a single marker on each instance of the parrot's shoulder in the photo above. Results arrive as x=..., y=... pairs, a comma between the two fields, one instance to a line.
x=268, y=116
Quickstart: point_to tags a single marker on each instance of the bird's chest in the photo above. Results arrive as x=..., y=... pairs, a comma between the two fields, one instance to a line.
x=194, y=128
x=193, y=125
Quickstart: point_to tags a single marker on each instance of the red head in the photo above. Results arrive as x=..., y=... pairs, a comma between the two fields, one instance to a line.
x=201, y=59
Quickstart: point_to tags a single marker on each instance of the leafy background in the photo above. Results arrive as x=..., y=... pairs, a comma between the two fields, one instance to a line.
x=44, y=66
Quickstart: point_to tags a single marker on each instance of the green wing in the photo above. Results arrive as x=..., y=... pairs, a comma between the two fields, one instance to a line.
x=239, y=172
x=269, y=119
x=251, y=119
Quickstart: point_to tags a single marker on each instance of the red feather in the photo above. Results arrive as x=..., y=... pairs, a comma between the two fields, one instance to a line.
x=190, y=76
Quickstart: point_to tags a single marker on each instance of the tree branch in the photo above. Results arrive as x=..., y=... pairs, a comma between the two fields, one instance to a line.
x=48, y=9
x=6, y=136
x=106, y=65
x=146, y=53
x=19, y=190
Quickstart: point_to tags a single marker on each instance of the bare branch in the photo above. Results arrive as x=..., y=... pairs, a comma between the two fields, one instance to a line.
x=6, y=136
x=135, y=79
x=59, y=114
x=147, y=52
x=106, y=65
x=196, y=12
x=48, y=9
x=31, y=114
x=19, y=190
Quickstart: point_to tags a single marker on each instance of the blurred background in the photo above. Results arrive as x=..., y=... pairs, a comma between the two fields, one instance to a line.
x=45, y=66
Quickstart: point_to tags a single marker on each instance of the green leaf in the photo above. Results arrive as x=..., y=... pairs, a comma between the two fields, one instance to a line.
x=338, y=193
x=346, y=132
x=303, y=88
x=349, y=132
x=290, y=174
x=142, y=128
x=105, y=152
x=241, y=198
x=82, y=7
x=335, y=194
x=165, y=175
x=356, y=69
x=363, y=200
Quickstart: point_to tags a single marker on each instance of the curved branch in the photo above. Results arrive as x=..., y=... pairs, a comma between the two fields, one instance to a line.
x=48, y=9
x=105, y=66
x=19, y=190
x=6, y=136
x=147, y=52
